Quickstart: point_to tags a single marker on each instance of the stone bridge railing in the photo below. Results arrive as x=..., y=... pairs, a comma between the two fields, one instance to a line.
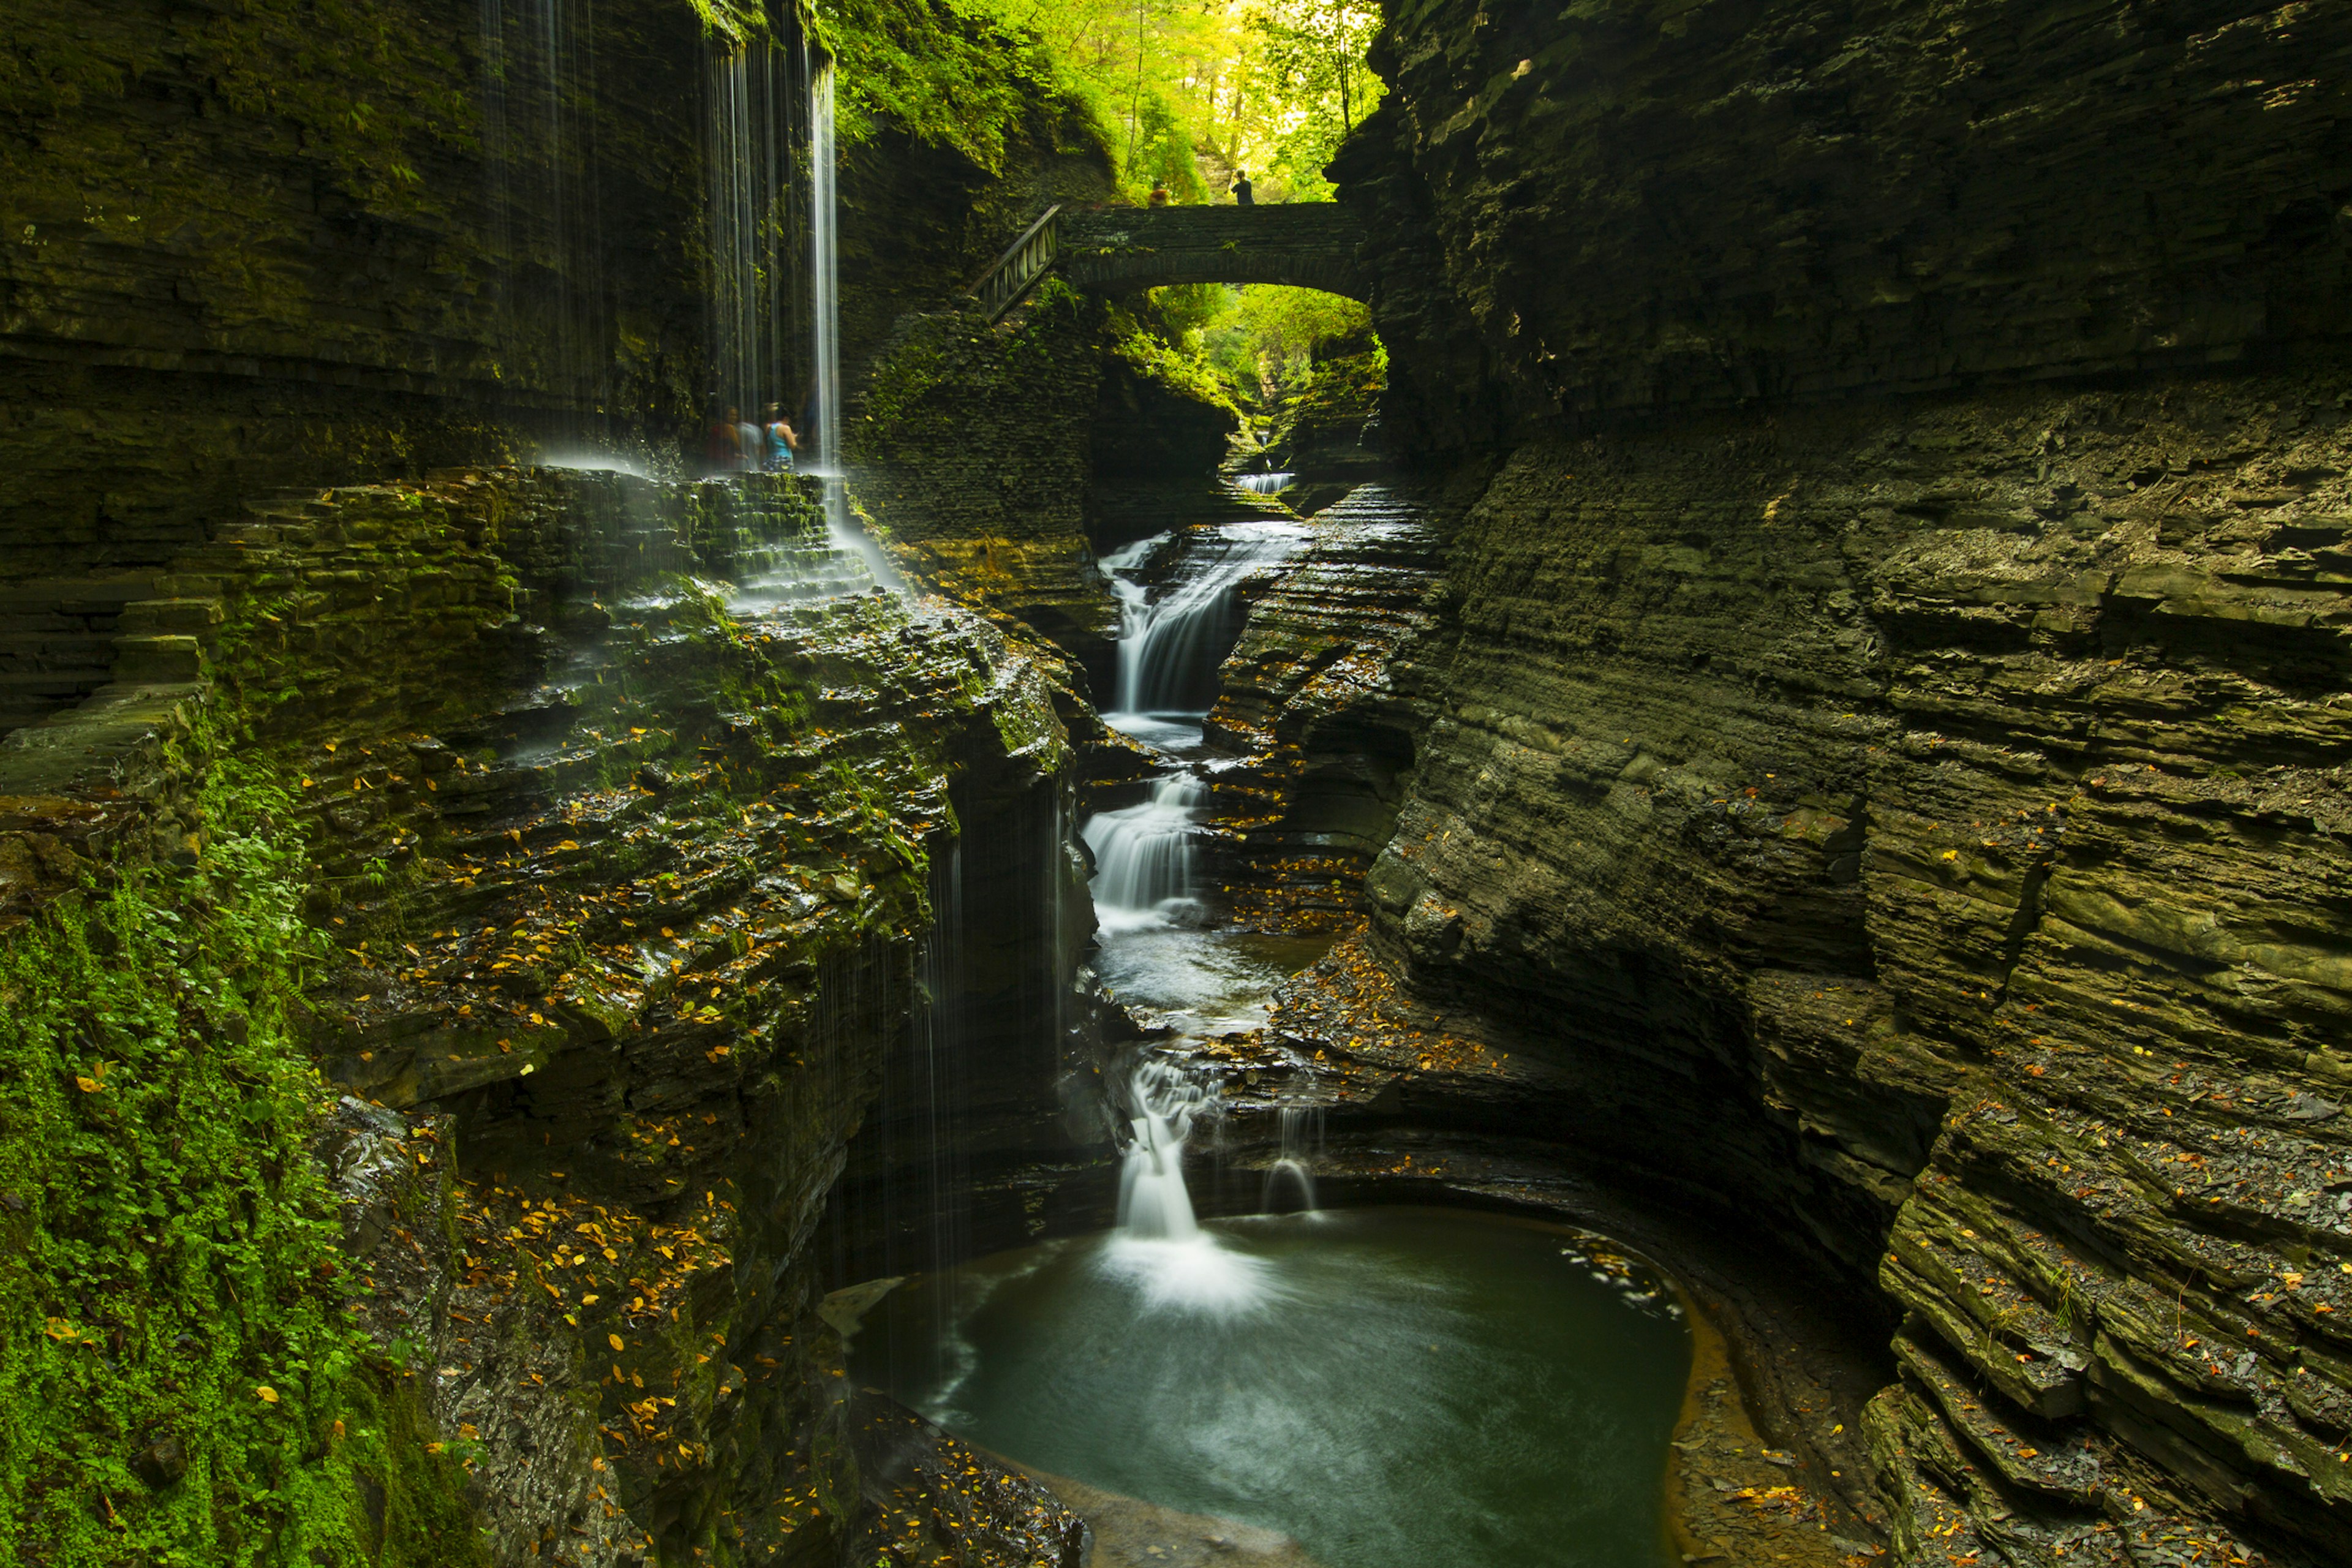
x=1307, y=244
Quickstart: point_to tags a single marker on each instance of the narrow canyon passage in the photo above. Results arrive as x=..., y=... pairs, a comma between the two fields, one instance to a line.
x=935, y=784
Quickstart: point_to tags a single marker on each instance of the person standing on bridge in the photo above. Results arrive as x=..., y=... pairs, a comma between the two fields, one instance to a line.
x=1159, y=192
x=1244, y=196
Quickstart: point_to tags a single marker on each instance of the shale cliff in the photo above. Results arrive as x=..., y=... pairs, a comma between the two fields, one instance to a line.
x=1884, y=774
x=600, y=833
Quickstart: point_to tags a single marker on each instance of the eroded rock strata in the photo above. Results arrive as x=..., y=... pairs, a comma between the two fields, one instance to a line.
x=629, y=879
x=1903, y=819
x=1835, y=750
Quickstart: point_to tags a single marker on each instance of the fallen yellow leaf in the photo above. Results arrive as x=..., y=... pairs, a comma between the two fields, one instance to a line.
x=267, y=1394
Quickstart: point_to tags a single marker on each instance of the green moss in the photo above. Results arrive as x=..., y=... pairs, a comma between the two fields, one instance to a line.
x=171, y=1274
x=954, y=79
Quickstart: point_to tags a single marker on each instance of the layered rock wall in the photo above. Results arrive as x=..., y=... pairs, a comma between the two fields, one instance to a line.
x=1632, y=206
x=246, y=250
x=1869, y=794
x=620, y=806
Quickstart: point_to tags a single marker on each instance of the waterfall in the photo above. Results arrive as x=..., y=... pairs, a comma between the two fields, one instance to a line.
x=745, y=168
x=1302, y=1137
x=824, y=267
x=1263, y=484
x=1153, y=1204
x=825, y=283
x=554, y=70
x=1143, y=857
x=1161, y=1249
x=1168, y=648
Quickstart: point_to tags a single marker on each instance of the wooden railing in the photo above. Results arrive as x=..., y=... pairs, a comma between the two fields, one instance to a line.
x=1011, y=277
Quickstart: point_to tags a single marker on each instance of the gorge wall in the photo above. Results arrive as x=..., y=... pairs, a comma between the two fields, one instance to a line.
x=1882, y=778
x=601, y=827
x=380, y=1183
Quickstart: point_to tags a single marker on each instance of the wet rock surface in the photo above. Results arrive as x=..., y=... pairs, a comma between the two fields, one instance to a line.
x=623, y=799
x=1319, y=704
x=1936, y=799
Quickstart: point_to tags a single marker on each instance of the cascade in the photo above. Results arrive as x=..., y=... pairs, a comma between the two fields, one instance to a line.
x=746, y=100
x=1168, y=648
x=1263, y=484
x=1143, y=857
x=825, y=271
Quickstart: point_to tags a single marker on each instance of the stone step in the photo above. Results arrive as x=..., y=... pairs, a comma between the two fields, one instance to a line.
x=18, y=685
x=198, y=585
x=158, y=660
x=191, y=616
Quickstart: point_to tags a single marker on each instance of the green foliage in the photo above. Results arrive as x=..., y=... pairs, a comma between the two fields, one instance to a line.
x=1260, y=343
x=1194, y=91
x=1308, y=58
x=1160, y=151
x=1150, y=345
x=956, y=79
x=172, y=1246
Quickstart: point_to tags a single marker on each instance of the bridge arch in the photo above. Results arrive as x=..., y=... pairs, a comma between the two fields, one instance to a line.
x=1116, y=251
x=1306, y=245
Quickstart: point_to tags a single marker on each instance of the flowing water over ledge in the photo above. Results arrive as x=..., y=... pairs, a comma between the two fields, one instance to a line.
x=1388, y=1388
x=1393, y=1388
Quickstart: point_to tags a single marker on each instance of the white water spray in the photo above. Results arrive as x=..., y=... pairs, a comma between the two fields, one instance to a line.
x=1161, y=1249
x=825, y=258
x=1143, y=857
x=1169, y=648
x=1263, y=484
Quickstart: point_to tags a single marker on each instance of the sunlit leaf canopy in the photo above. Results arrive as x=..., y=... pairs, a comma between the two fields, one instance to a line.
x=1184, y=94
x=1195, y=91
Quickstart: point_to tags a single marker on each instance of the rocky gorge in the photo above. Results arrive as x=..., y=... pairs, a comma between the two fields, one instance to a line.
x=1809, y=725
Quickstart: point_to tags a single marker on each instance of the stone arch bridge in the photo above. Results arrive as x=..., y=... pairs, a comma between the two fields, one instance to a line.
x=1307, y=244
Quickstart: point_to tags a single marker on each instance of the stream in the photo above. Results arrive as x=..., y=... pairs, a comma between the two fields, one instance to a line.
x=1388, y=1387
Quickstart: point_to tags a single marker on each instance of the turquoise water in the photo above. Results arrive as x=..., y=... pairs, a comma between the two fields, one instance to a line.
x=1395, y=1388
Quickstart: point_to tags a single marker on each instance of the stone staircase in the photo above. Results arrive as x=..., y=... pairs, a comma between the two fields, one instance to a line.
x=57, y=641
x=100, y=670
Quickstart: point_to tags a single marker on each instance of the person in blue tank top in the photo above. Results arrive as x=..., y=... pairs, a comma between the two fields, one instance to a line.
x=780, y=440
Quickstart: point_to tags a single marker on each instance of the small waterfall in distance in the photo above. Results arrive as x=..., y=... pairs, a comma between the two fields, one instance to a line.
x=1302, y=1137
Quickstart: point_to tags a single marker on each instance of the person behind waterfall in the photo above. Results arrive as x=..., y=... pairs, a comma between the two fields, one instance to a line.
x=1159, y=192
x=723, y=449
x=750, y=442
x=1244, y=193
x=780, y=441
